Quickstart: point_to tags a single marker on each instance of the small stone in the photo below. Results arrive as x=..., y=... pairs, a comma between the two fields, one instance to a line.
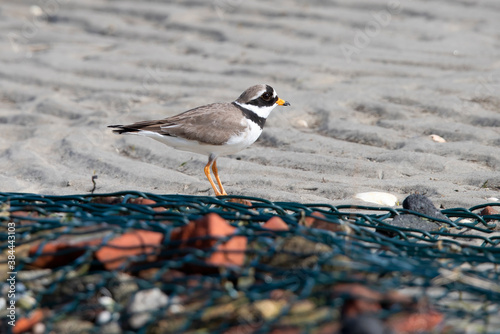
x=416, y=322
x=18, y=214
x=106, y=301
x=39, y=328
x=422, y=204
x=310, y=220
x=122, y=287
x=60, y=252
x=408, y=221
x=302, y=307
x=175, y=305
x=146, y=201
x=112, y=327
x=364, y=323
x=489, y=210
x=278, y=294
x=240, y=201
x=269, y=309
x=142, y=304
x=117, y=252
x=26, y=302
x=287, y=256
x=205, y=232
x=103, y=317
x=107, y=199
x=358, y=299
x=25, y=324
x=276, y=224
x=318, y=220
x=418, y=203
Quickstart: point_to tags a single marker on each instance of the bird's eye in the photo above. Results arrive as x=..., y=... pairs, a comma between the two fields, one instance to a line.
x=266, y=97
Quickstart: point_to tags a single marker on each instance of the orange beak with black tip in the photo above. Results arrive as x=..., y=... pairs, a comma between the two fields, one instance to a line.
x=281, y=102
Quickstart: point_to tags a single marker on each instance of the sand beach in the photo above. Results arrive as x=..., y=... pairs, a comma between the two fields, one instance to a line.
x=368, y=81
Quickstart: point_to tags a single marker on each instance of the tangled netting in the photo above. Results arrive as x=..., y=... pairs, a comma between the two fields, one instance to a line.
x=305, y=276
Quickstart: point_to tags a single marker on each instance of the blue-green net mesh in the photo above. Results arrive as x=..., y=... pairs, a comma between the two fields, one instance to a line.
x=288, y=278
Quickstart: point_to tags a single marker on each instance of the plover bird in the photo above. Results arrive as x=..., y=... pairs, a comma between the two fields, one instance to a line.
x=215, y=129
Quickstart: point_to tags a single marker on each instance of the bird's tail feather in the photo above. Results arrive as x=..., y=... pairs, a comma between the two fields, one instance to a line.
x=121, y=129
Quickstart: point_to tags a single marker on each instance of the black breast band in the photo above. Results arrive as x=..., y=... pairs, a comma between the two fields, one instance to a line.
x=260, y=121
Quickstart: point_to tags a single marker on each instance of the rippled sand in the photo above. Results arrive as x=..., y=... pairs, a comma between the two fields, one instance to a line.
x=368, y=83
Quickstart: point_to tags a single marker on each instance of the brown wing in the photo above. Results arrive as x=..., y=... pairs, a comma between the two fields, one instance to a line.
x=211, y=124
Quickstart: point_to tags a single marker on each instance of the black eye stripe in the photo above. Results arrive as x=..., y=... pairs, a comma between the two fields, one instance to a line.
x=260, y=102
x=266, y=96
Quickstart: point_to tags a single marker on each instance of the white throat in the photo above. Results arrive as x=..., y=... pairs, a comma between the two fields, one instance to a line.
x=259, y=111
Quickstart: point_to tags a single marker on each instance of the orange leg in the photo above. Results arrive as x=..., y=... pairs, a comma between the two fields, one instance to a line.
x=216, y=174
x=209, y=177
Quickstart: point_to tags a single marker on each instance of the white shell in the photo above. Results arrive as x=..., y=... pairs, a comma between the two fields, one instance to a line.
x=36, y=11
x=377, y=197
x=300, y=123
x=437, y=139
x=492, y=199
